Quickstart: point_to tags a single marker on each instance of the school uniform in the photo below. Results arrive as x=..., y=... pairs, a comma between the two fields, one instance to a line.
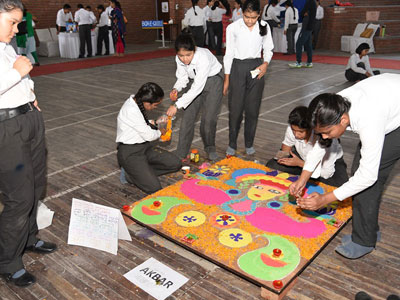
x=243, y=54
x=85, y=21
x=331, y=170
x=103, y=34
x=357, y=68
x=317, y=25
x=291, y=21
x=108, y=11
x=237, y=14
x=141, y=160
x=375, y=116
x=216, y=20
x=194, y=18
x=270, y=15
x=22, y=164
x=62, y=19
x=209, y=29
x=205, y=93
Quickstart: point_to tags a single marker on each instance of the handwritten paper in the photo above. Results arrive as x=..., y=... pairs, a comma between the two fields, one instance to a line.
x=156, y=279
x=96, y=226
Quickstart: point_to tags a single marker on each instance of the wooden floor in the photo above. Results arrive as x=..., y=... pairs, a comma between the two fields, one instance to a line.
x=80, y=110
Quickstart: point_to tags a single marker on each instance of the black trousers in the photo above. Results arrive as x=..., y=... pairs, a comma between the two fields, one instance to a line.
x=85, y=38
x=366, y=203
x=22, y=182
x=103, y=36
x=353, y=76
x=316, y=30
x=211, y=36
x=290, y=34
x=144, y=162
x=218, y=32
x=63, y=28
x=198, y=35
x=339, y=177
x=245, y=95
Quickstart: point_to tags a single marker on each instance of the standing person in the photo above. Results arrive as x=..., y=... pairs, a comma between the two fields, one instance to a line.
x=92, y=16
x=317, y=25
x=371, y=108
x=141, y=161
x=118, y=28
x=358, y=67
x=85, y=21
x=194, y=18
x=305, y=38
x=103, y=31
x=270, y=15
x=108, y=11
x=209, y=29
x=237, y=12
x=23, y=154
x=64, y=15
x=290, y=28
x=226, y=19
x=200, y=66
x=216, y=20
x=26, y=38
x=246, y=39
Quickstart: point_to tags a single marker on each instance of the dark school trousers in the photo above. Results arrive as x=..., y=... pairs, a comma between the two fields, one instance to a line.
x=245, y=95
x=85, y=38
x=338, y=178
x=366, y=203
x=211, y=36
x=290, y=33
x=353, y=76
x=22, y=182
x=316, y=30
x=198, y=35
x=103, y=36
x=218, y=32
x=143, y=163
x=209, y=101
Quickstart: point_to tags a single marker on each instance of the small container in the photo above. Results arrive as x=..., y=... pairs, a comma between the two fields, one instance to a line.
x=383, y=29
x=166, y=137
x=186, y=170
x=194, y=155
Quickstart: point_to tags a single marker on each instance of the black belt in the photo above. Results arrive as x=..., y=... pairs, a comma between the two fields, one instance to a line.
x=9, y=113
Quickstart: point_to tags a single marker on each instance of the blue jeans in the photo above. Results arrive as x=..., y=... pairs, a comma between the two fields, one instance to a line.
x=305, y=39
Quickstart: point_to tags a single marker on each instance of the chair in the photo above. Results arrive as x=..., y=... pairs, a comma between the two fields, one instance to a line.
x=48, y=47
x=54, y=35
x=356, y=41
x=345, y=40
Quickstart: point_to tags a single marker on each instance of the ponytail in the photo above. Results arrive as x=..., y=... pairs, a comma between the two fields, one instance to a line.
x=149, y=92
x=263, y=28
x=194, y=2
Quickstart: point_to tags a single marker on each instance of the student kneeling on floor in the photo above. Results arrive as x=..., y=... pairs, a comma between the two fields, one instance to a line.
x=139, y=158
x=299, y=140
x=358, y=67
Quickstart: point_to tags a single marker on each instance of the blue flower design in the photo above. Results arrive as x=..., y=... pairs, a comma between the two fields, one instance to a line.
x=236, y=237
x=189, y=219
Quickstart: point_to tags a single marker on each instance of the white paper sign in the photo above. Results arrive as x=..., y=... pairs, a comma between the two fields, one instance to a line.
x=95, y=226
x=164, y=7
x=156, y=279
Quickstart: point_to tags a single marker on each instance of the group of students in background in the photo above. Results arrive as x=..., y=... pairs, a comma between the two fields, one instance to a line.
x=111, y=18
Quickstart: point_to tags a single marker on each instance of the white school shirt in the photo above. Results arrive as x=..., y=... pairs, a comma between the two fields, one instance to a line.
x=191, y=19
x=103, y=20
x=291, y=18
x=272, y=13
x=216, y=14
x=203, y=65
x=207, y=12
x=374, y=112
x=320, y=13
x=14, y=90
x=241, y=43
x=83, y=17
x=132, y=127
x=108, y=10
x=237, y=14
x=326, y=167
x=62, y=18
x=355, y=59
x=92, y=17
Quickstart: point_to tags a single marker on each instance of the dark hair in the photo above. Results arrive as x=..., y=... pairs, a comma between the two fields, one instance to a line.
x=290, y=4
x=101, y=7
x=227, y=7
x=88, y=7
x=271, y=2
x=67, y=6
x=254, y=5
x=298, y=117
x=149, y=92
x=80, y=6
x=9, y=5
x=194, y=2
x=185, y=41
x=215, y=5
x=118, y=4
x=362, y=47
x=239, y=2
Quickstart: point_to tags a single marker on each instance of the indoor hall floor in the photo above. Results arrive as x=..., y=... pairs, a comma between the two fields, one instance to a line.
x=80, y=110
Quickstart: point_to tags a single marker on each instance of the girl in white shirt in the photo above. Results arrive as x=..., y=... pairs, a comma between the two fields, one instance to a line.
x=139, y=159
x=358, y=67
x=270, y=14
x=291, y=20
x=201, y=67
x=194, y=18
x=216, y=14
x=244, y=68
x=299, y=141
x=237, y=12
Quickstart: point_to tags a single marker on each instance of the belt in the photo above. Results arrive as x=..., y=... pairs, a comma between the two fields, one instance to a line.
x=9, y=113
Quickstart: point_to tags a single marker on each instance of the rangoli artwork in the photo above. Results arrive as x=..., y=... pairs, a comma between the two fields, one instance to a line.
x=240, y=215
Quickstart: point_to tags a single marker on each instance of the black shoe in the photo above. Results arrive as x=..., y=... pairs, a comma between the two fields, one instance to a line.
x=88, y=56
x=23, y=281
x=363, y=296
x=81, y=56
x=45, y=248
x=107, y=53
x=98, y=54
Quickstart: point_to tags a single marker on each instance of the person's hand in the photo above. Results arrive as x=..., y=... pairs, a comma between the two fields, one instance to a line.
x=23, y=65
x=226, y=86
x=284, y=32
x=293, y=161
x=263, y=70
x=163, y=130
x=296, y=188
x=172, y=111
x=313, y=202
x=58, y=32
x=368, y=74
x=35, y=103
x=173, y=95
